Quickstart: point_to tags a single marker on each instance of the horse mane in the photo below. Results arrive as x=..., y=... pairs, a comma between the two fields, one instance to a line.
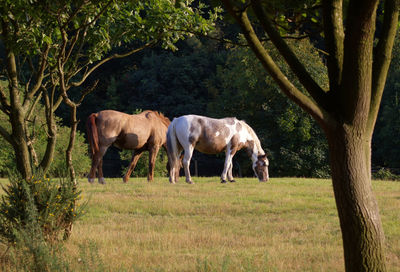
x=254, y=136
x=165, y=120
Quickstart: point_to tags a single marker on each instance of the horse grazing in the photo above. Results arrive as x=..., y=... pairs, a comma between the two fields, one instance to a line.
x=141, y=132
x=211, y=136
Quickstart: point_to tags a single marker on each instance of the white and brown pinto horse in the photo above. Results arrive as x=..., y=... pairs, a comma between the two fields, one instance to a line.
x=212, y=136
x=141, y=132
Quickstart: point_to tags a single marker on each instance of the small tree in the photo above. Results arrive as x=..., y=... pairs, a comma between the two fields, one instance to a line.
x=54, y=46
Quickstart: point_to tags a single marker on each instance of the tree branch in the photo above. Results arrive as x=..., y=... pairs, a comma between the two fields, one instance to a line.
x=316, y=92
x=5, y=106
x=286, y=86
x=382, y=58
x=354, y=93
x=334, y=38
x=87, y=91
x=39, y=76
x=227, y=41
x=7, y=136
x=115, y=56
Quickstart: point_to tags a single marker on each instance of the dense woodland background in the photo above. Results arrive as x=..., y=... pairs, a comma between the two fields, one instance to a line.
x=210, y=77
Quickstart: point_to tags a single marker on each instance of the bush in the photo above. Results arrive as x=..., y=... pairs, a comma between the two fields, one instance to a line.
x=385, y=174
x=50, y=205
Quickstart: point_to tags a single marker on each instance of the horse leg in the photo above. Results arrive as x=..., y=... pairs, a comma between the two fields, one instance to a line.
x=153, y=151
x=96, y=158
x=135, y=157
x=230, y=175
x=227, y=166
x=174, y=164
x=186, y=163
x=97, y=164
x=178, y=167
x=100, y=172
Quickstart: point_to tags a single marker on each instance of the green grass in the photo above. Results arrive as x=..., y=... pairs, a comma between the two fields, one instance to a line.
x=287, y=224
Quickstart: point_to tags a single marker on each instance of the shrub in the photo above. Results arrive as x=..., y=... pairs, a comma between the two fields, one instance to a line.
x=385, y=174
x=50, y=205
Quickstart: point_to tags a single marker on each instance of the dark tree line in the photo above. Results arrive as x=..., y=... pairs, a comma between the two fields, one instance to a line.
x=201, y=78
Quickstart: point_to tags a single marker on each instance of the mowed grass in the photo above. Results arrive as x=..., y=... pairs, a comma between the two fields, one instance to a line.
x=286, y=224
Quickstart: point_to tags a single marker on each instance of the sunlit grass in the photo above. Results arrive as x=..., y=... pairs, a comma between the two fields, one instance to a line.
x=286, y=224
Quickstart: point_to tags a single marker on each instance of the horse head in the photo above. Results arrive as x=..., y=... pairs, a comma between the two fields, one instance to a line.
x=260, y=168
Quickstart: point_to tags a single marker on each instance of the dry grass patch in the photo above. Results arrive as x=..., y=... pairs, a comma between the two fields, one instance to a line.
x=286, y=224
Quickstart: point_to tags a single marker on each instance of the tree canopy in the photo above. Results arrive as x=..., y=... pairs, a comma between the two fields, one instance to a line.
x=54, y=46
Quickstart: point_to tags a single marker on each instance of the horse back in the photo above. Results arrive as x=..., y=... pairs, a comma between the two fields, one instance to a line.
x=207, y=135
x=128, y=131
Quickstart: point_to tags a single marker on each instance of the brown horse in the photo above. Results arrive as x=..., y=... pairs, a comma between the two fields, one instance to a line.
x=141, y=132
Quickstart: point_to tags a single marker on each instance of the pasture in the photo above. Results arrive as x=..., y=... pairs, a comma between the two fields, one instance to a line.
x=286, y=224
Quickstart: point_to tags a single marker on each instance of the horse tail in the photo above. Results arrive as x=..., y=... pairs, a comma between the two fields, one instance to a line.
x=92, y=133
x=172, y=147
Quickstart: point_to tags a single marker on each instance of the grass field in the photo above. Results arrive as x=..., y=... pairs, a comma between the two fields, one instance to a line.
x=287, y=224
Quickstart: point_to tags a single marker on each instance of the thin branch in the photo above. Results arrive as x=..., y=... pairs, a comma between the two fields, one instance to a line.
x=296, y=66
x=334, y=38
x=6, y=135
x=382, y=58
x=115, y=56
x=227, y=41
x=72, y=46
x=33, y=106
x=74, y=14
x=96, y=17
x=286, y=86
x=5, y=106
x=39, y=76
x=87, y=91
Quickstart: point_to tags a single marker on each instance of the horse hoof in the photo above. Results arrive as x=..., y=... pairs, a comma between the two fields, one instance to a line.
x=190, y=182
x=232, y=180
x=102, y=181
x=91, y=180
x=223, y=181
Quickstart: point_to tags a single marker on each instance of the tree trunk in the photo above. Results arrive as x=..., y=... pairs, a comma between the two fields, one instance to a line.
x=20, y=146
x=362, y=234
x=68, y=152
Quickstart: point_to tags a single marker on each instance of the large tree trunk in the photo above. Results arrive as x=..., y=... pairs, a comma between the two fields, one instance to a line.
x=360, y=222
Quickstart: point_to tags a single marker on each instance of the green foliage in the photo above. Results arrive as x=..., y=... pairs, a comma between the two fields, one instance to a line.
x=80, y=157
x=386, y=139
x=32, y=252
x=174, y=84
x=46, y=205
x=293, y=140
x=107, y=24
x=81, y=160
x=69, y=40
x=142, y=167
x=385, y=174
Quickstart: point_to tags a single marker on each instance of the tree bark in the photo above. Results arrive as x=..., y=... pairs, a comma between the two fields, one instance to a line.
x=17, y=114
x=357, y=207
x=20, y=145
x=68, y=152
